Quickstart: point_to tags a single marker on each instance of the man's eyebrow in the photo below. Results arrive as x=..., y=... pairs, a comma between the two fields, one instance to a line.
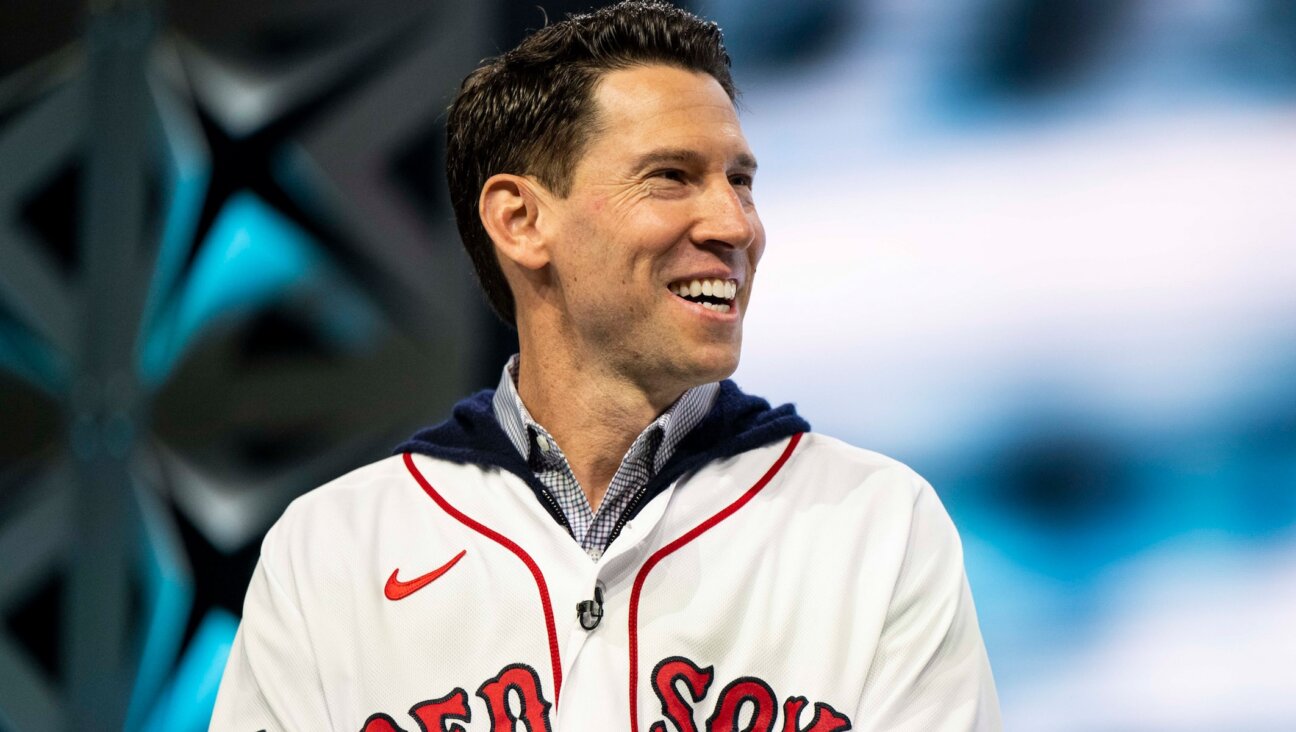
x=746, y=162
x=685, y=156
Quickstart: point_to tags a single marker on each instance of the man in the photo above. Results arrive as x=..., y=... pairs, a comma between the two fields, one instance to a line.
x=614, y=539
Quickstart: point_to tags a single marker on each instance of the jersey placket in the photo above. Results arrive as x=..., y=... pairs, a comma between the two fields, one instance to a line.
x=591, y=528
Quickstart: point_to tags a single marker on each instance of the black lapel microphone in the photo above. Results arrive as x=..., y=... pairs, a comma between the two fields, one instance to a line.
x=590, y=612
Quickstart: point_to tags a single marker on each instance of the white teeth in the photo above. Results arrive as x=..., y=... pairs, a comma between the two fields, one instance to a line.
x=725, y=289
x=721, y=308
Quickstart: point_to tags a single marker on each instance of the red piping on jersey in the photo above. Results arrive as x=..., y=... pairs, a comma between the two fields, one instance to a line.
x=507, y=543
x=660, y=554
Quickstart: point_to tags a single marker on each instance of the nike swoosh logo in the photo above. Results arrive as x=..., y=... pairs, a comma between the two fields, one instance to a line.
x=397, y=590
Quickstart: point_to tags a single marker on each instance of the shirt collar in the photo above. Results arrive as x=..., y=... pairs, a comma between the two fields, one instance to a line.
x=661, y=436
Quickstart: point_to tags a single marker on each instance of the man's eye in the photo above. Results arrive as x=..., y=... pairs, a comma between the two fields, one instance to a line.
x=742, y=181
x=670, y=174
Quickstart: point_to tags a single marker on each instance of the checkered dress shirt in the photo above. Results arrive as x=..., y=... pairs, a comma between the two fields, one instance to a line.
x=647, y=454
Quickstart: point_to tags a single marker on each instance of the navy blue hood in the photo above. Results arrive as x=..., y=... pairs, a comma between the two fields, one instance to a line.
x=736, y=423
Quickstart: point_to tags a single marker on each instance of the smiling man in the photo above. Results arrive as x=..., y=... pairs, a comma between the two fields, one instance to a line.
x=616, y=538
x=631, y=277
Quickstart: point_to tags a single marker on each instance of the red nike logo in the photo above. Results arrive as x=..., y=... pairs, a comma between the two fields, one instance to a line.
x=397, y=590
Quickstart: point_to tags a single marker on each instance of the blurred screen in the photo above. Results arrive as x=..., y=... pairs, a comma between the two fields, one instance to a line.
x=1045, y=254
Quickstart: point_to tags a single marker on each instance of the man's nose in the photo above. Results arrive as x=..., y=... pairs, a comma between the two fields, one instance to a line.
x=727, y=217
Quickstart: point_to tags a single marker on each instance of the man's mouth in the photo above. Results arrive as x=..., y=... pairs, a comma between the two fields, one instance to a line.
x=714, y=294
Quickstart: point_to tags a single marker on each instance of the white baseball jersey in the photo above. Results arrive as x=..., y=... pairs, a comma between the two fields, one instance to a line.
x=802, y=585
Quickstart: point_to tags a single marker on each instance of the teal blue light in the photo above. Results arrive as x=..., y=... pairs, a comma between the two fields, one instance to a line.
x=186, y=172
x=168, y=588
x=187, y=704
x=30, y=359
x=251, y=257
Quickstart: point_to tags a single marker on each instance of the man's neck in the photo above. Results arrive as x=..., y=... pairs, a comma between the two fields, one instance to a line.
x=594, y=416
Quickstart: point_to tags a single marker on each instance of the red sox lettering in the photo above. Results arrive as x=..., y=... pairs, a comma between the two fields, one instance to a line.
x=522, y=684
x=746, y=691
x=518, y=680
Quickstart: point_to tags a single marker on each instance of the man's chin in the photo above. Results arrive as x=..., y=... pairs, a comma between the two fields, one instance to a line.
x=711, y=367
x=668, y=373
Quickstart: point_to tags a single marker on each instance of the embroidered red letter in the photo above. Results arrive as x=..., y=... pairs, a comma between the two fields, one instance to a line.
x=667, y=673
x=523, y=682
x=747, y=690
x=432, y=715
x=826, y=719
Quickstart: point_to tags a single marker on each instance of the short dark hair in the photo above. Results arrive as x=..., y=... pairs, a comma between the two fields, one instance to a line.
x=530, y=111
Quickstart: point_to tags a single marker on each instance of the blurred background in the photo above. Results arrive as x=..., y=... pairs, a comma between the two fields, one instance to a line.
x=1044, y=251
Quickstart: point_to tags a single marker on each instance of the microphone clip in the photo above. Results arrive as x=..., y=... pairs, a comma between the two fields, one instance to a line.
x=590, y=612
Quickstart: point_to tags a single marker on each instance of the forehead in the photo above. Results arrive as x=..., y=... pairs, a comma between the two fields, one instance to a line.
x=645, y=107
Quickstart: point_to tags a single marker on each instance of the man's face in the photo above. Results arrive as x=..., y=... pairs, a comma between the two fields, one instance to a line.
x=660, y=204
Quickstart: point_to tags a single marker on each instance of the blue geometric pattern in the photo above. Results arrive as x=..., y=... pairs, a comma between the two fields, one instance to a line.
x=282, y=322
x=186, y=705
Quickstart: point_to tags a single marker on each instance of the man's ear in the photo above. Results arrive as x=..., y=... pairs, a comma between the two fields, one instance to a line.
x=510, y=210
